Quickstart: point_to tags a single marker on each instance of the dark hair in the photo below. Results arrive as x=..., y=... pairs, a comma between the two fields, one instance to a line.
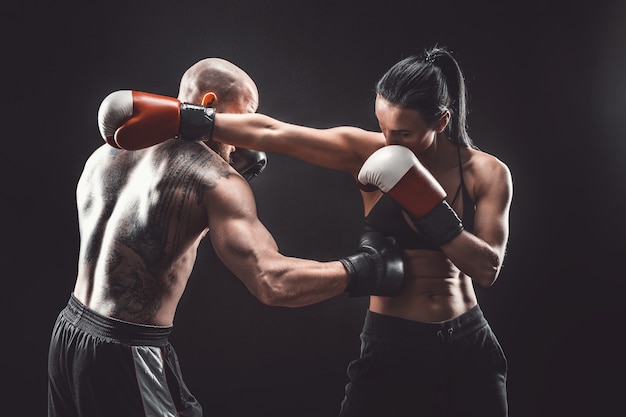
x=431, y=83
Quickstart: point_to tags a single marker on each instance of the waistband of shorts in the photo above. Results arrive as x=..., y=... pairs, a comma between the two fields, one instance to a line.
x=389, y=326
x=122, y=331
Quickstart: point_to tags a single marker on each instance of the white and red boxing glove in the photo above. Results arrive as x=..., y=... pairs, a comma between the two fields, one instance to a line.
x=135, y=120
x=396, y=171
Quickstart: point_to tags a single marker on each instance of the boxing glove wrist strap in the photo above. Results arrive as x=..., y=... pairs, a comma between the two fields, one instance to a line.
x=196, y=121
x=441, y=225
x=371, y=274
x=358, y=267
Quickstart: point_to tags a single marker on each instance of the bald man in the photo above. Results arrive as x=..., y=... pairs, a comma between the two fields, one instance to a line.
x=142, y=214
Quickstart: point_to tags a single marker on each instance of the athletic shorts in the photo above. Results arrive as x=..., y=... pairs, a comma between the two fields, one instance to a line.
x=102, y=367
x=408, y=368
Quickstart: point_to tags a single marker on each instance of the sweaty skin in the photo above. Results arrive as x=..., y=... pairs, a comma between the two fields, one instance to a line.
x=142, y=215
x=141, y=218
x=438, y=284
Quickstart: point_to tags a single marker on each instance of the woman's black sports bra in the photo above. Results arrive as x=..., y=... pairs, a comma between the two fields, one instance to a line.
x=386, y=217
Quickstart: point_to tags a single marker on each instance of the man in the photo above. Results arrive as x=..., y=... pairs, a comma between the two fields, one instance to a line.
x=141, y=217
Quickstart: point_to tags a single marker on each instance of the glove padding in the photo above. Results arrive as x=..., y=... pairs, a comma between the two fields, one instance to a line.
x=248, y=163
x=395, y=170
x=377, y=269
x=135, y=120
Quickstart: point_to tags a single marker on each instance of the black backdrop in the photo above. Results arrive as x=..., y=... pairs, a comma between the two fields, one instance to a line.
x=547, y=97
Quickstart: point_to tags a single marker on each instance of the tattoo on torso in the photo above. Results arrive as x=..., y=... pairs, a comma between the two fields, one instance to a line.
x=152, y=213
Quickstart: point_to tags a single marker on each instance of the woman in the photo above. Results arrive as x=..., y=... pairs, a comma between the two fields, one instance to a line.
x=429, y=350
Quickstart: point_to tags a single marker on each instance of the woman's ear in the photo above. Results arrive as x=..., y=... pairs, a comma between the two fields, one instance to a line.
x=209, y=100
x=443, y=121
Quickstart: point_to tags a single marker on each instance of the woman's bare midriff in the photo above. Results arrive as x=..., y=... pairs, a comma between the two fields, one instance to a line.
x=434, y=290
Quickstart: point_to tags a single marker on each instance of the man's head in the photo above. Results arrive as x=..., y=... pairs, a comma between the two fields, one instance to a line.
x=215, y=82
x=219, y=83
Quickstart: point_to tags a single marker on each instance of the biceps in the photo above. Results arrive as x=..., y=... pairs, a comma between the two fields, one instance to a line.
x=492, y=208
x=491, y=223
x=237, y=235
x=242, y=244
x=334, y=148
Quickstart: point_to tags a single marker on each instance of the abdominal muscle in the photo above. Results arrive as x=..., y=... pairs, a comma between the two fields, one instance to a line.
x=434, y=290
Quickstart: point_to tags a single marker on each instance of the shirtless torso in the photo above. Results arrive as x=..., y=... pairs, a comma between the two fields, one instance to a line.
x=142, y=217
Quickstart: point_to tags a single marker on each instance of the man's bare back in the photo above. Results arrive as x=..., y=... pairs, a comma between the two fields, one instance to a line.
x=141, y=215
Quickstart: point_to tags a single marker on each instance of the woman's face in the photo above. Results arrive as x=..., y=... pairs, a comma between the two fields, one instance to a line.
x=404, y=127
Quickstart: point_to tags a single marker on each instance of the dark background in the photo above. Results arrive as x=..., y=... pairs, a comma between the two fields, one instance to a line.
x=548, y=98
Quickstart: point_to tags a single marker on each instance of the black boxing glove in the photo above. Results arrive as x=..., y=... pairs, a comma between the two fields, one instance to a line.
x=248, y=163
x=377, y=268
x=196, y=121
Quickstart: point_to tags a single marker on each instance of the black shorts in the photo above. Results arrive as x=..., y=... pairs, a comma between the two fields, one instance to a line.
x=99, y=366
x=408, y=368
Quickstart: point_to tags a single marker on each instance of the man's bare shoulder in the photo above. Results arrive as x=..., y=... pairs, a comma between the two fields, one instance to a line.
x=190, y=161
x=172, y=165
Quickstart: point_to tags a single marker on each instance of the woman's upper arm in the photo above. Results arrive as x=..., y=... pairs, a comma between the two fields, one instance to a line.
x=341, y=148
x=494, y=196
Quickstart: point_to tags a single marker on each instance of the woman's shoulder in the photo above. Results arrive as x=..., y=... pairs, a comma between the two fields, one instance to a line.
x=487, y=171
x=480, y=160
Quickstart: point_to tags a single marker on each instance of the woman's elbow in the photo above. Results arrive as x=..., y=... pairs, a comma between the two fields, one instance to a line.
x=487, y=277
x=488, y=273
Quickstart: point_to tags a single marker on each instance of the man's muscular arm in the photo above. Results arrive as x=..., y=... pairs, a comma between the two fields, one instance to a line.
x=248, y=250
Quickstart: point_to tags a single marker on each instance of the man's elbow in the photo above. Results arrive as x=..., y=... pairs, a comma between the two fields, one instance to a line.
x=271, y=292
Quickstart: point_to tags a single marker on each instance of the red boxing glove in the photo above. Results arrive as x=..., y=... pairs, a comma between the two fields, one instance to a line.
x=396, y=171
x=135, y=120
